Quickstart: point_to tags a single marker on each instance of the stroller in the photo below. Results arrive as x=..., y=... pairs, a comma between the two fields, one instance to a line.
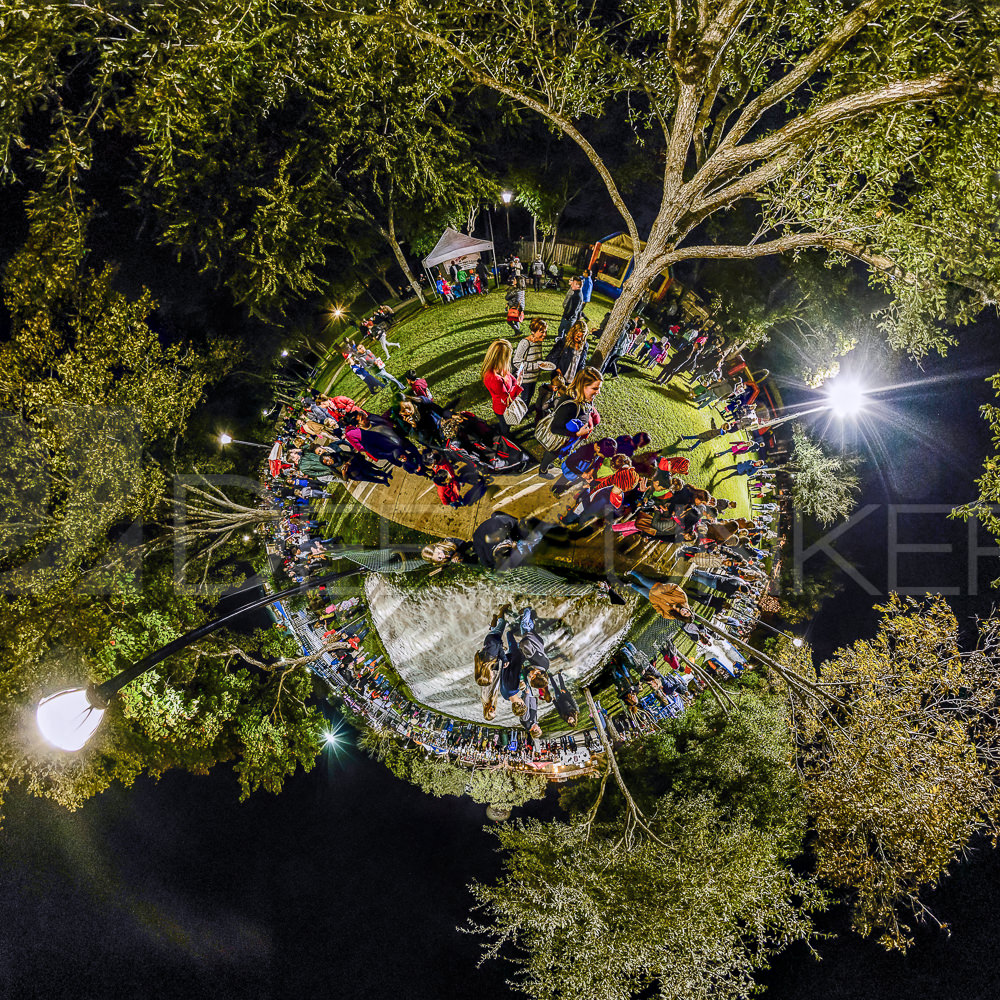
x=475, y=441
x=552, y=282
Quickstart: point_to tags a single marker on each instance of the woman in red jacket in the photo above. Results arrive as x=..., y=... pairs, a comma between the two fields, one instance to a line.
x=499, y=380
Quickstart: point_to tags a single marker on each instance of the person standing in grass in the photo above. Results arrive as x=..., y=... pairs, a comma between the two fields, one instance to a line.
x=527, y=357
x=572, y=307
x=537, y=273
x=484, y=276
x=499, y=380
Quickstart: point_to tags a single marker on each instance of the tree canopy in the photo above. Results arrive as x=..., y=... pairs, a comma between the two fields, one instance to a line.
x=824, y=486
x=688, y=912
x=901, y=777
x=862, y=129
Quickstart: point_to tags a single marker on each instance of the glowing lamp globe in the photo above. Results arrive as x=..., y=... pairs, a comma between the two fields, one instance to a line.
x=68, y=719
x=846, y=397
x=284, y=354
x=225, y=439
x=796, y=641
x=506, y=196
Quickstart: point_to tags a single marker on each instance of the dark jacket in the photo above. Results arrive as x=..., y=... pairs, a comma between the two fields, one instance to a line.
x=561, y=356
x=573, y=306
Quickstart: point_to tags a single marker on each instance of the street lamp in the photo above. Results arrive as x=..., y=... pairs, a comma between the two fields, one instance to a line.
x=506, y=197
x=796, y=640
x=225, y=439
x=69, y=718
x=846, y=397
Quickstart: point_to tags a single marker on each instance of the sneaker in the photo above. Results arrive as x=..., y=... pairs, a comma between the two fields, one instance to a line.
x=547, y=475
x=502, y=613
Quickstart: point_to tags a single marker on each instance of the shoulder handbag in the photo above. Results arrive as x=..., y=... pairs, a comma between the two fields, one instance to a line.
x=514, y=314
x=515, y=411
x=546, y=437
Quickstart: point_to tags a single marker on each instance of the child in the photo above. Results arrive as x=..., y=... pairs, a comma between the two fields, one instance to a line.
x=418, y=386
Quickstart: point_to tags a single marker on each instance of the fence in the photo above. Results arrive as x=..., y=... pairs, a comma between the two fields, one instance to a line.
x=568, y=253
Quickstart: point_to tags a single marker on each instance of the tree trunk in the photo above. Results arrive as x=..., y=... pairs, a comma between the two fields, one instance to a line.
x=534, y=236
x=385, y=281
x=552, y=245
x=630, y=297
x=397, y=251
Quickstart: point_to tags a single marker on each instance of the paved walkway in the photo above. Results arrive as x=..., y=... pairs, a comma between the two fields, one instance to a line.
x=413, y=501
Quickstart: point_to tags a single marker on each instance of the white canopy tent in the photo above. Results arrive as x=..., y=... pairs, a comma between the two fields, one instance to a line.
x=454, y=245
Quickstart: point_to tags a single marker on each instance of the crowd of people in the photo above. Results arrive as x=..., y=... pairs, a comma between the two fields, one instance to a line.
x=544, y=399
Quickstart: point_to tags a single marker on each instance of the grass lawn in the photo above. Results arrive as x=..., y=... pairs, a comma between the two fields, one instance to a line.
x=446, y=343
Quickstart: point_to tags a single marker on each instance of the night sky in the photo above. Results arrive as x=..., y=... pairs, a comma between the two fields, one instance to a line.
x=352, y=883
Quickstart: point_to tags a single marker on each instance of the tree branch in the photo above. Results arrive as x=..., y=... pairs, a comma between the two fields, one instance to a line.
x=865, y=12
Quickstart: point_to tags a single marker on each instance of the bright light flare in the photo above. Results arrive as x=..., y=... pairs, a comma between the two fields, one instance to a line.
x=68, y=719
x=338, y=312
x=225, y=439
x=796, y=641
x=846, y=397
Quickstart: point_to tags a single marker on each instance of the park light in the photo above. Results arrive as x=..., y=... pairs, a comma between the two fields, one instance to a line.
x=284, y=353
x=225, y=439
x=68, y=719
x=338, y=312
x=846, y=397
x=506, y=196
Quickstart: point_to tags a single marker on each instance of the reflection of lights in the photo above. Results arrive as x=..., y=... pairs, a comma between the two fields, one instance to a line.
x=507, y=196
x=225, y=439
x=796, y=641
x=846, y=396
x=264, y=413
x=246, y=538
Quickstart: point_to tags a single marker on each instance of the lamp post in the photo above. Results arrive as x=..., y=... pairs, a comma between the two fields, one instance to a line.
x=69, y=718
x=506, y=196
x=225, y=439
x=796, y=640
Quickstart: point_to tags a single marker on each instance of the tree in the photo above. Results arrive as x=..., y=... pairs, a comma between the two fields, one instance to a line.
x=823, y=486
x=815, y=312
x=590, y=918
x=860, y=129
x=410, y=161
x=900, y=780
x=986, y=507
x=438, y=776
x=97, y=398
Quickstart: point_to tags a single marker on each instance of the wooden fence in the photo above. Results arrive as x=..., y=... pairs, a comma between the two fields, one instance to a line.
x=568, y=253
